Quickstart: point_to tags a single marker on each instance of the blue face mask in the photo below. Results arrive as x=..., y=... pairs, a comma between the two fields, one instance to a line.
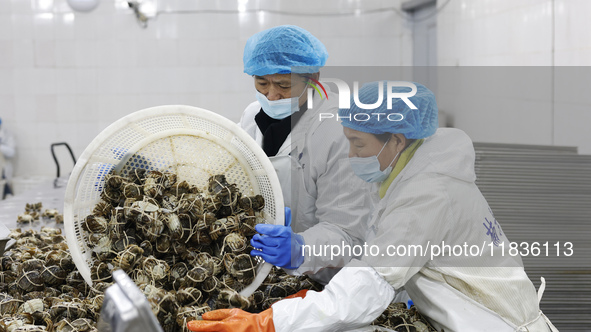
x=368, y=169
x=279, y=109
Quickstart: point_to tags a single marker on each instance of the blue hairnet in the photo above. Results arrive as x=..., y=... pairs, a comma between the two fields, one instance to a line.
x=412, y=123
x=276, y=50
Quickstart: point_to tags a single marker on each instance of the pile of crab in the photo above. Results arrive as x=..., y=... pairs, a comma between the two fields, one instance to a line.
x=33, y=213
x=398, y=317
x=187, y=249
x=40, y=288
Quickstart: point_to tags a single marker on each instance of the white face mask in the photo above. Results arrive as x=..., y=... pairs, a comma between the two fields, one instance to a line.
x=368, y=169
x=279, y=109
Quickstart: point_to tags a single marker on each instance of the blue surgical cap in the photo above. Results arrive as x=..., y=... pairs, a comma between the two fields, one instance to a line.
x=277, y=50
x=400, y=119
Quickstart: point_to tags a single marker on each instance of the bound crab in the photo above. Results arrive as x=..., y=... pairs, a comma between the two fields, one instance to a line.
x=225, y=192
x=25, y=218
x=397, y=317
x=50, y=214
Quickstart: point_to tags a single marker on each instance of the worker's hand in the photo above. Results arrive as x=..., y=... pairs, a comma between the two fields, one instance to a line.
x=278, y=245
x=234, y=320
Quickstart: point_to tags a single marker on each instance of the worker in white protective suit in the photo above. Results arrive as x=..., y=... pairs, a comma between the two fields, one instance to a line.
x=309, y=156
x=7, y=151
x=425, y=196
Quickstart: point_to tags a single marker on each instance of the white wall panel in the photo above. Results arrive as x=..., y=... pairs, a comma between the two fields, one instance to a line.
x=65, y=76
x=523, y=33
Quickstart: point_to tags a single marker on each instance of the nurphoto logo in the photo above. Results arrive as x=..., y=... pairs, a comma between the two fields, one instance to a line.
x=344, y=93
x=315, y=86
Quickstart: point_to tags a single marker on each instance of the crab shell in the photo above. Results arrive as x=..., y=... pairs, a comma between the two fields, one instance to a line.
x=189, y=296
x=126, y=239
x=153, y=185
x=102, y=209
x=210, y=284
x=31, y=265
x=77, y=325
x=179, y=270
x=243, y=268
x=24, y=218
x=180, y=188
x=7, y=276
x=30, y=281
x=163, y=243
x=156, y=268
x=152, y=226
x=224, y=226
x=191, y=204
x=8, y=304
x=189, y=313
x=140, y=276
x=95, y=303
x=99, y=271
x=50, y=213
x=173, y=223
x=236, y=242
x=128, y=258
x=70, y=310
x=31, y=306
x=256, y=203
x=54, y=275
x=132, y=190
x=229, y=297
x=198, y=274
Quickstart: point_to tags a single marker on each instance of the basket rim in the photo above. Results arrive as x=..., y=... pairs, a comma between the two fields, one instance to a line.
x=155, y=112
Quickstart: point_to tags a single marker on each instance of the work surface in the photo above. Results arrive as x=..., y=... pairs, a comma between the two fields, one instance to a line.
x=46, y=193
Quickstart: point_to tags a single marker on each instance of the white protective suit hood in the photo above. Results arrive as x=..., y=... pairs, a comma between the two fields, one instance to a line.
x=454, y=154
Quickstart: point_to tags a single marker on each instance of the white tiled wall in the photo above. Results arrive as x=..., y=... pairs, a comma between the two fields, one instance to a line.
x=66, y=76
x=521, y=33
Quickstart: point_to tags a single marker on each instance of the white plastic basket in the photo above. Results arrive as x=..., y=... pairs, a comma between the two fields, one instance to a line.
x=193, y=143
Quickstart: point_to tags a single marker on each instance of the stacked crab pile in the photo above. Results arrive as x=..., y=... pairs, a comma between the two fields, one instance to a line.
x=33, y=212
x=40, y=288
x=186, y=249
x=397, y=317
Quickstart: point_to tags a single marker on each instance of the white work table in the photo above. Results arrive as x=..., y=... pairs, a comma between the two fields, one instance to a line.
x=46, y=193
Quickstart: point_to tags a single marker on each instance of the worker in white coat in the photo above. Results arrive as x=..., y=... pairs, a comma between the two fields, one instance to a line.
x=425, y=197
x=7, y=149
x=309, y=156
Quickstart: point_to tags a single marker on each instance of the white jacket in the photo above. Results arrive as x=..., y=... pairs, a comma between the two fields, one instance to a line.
x=432, y=201
x=327, y=207
x=8, y=149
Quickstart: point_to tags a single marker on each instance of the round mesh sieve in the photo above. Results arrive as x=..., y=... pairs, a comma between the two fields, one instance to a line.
x=192, y=142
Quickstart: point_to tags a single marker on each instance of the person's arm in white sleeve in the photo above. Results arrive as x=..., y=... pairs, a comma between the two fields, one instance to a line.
x=354, y=298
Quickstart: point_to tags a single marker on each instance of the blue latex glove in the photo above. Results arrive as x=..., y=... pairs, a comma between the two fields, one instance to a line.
x=278, y=245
